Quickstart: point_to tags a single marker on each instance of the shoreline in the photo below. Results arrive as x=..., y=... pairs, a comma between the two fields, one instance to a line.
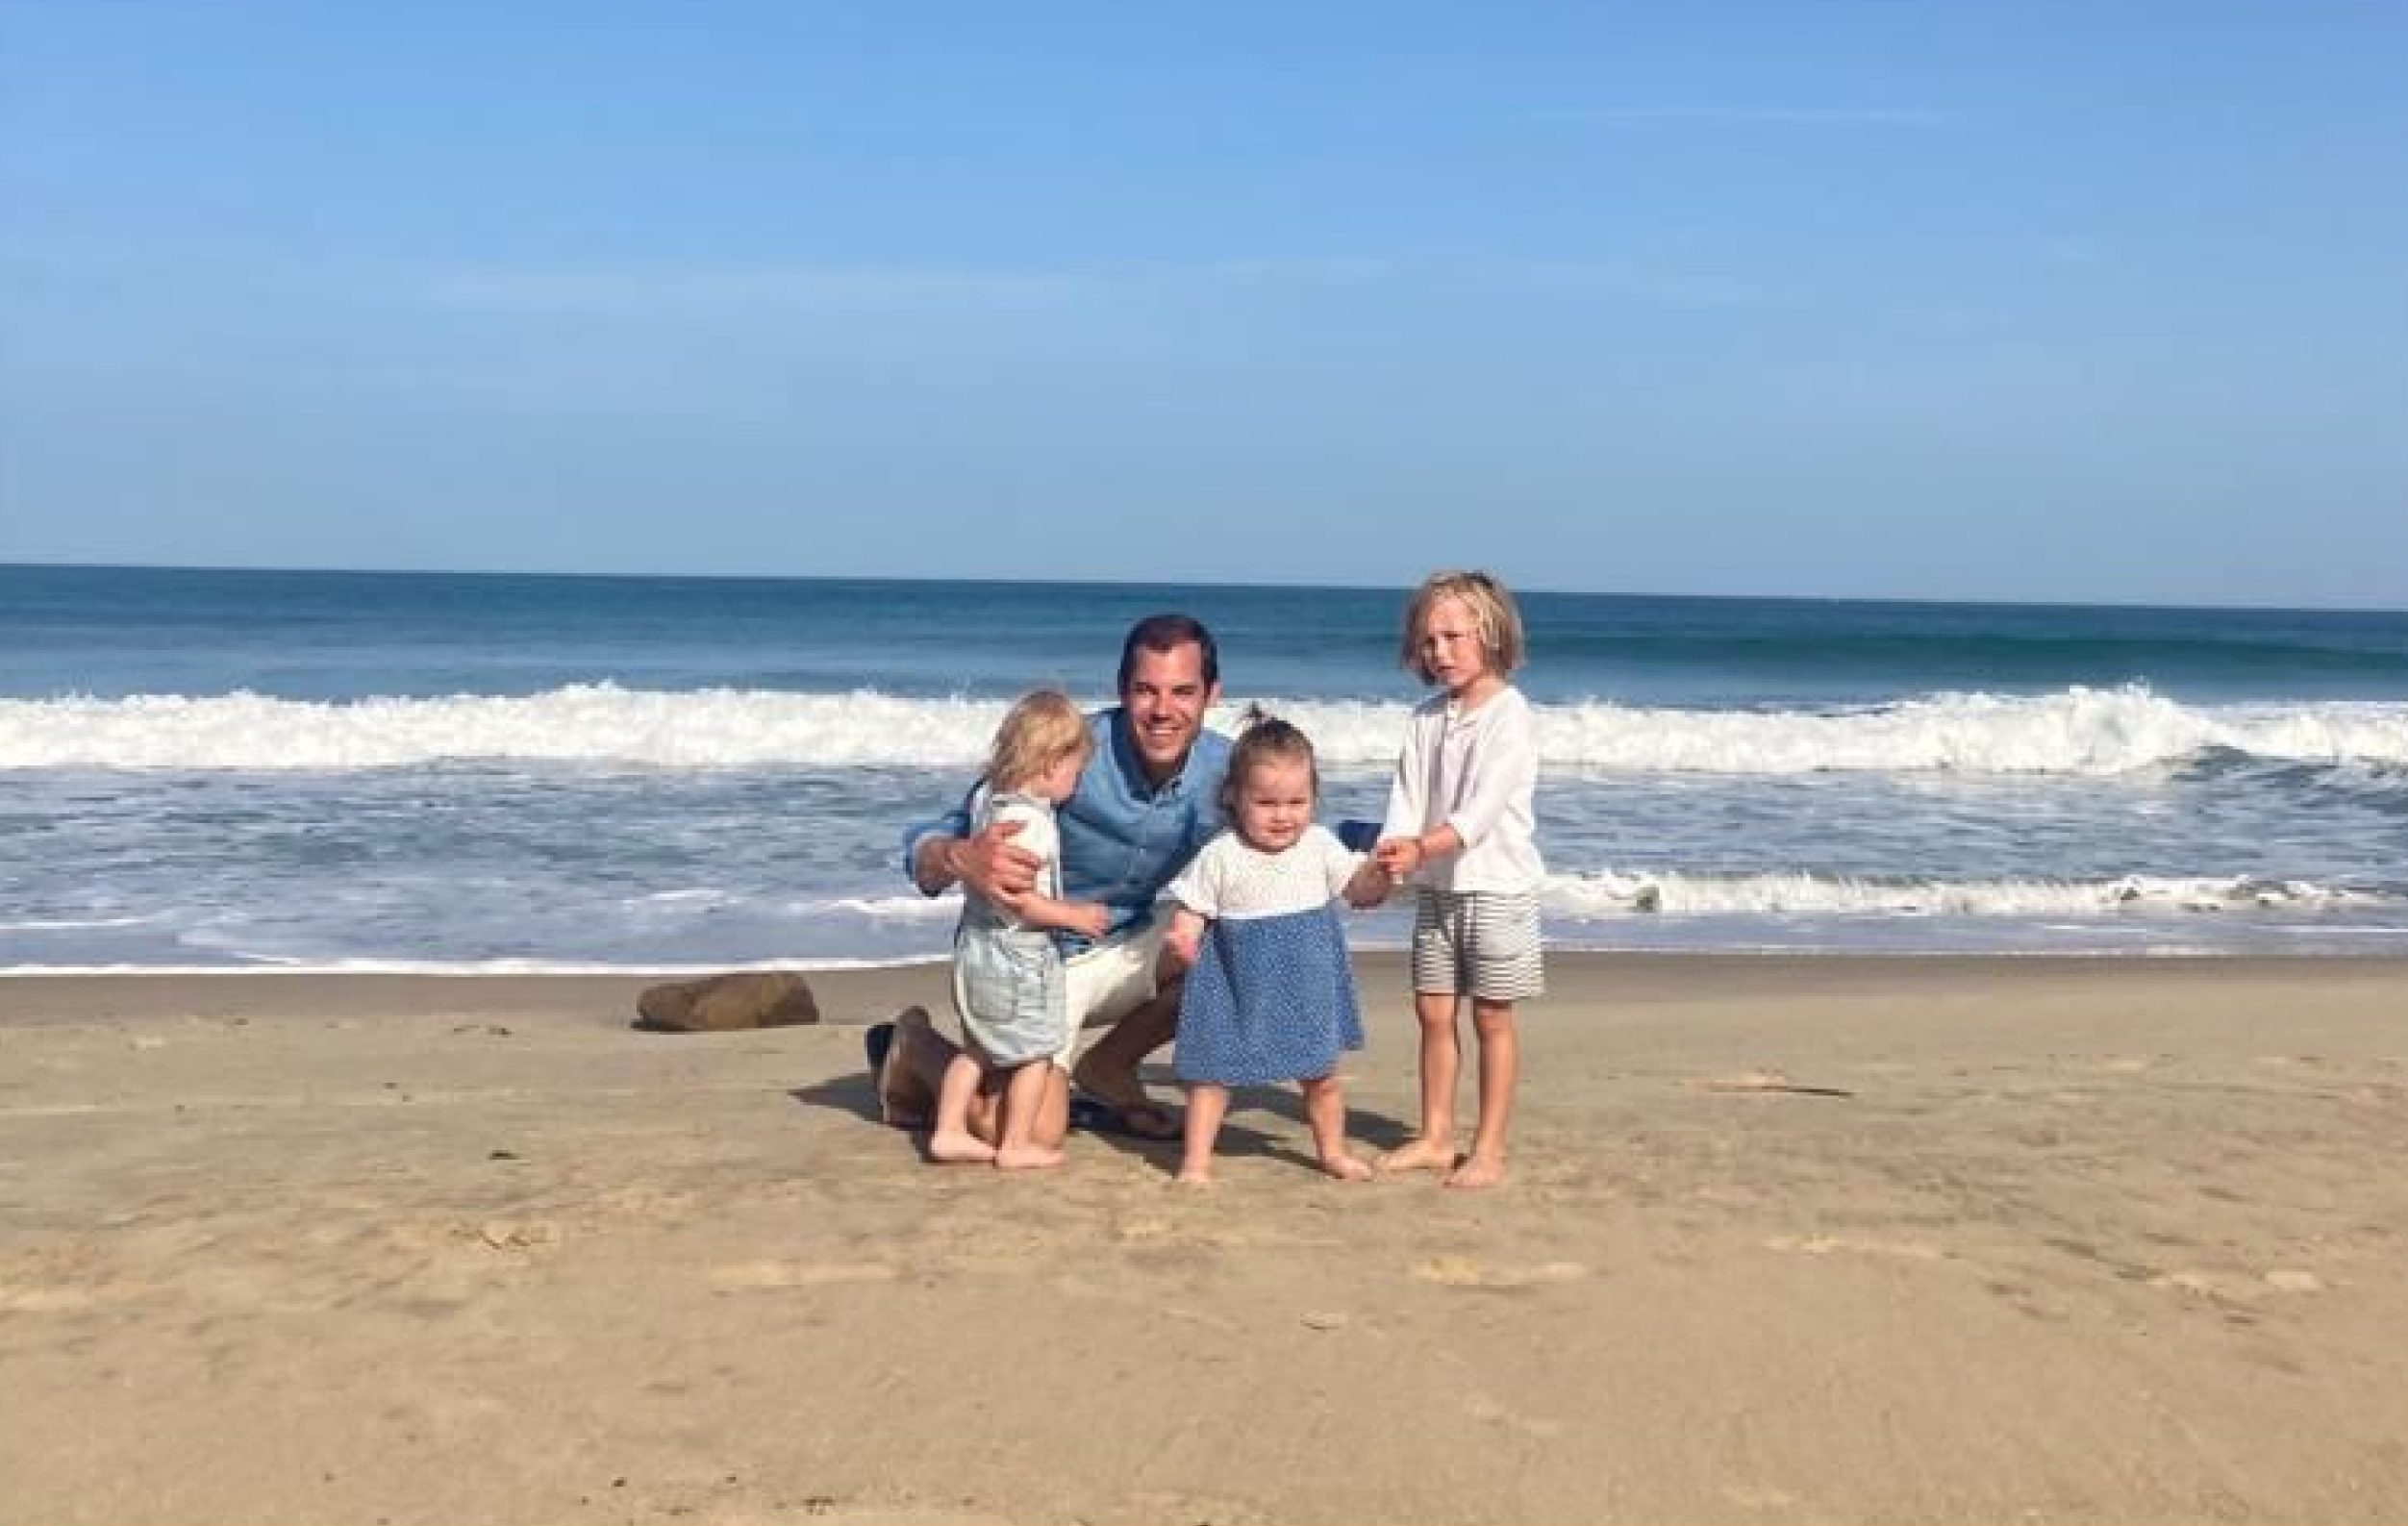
x=1789, y=1240
x=1373, y=955
x=863, y=995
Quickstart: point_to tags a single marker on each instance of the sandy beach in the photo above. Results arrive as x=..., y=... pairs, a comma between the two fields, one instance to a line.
x=1825, y=1240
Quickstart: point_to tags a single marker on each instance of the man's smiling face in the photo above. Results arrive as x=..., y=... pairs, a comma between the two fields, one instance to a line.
x=1165, y=696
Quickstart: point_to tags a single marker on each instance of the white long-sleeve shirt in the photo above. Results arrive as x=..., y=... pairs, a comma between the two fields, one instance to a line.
x=1476, y=772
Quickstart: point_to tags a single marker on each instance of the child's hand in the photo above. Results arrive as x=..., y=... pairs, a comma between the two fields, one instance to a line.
x=1184, y=938
x=1369, y=888
x=1400, y=857
x=1087, y=919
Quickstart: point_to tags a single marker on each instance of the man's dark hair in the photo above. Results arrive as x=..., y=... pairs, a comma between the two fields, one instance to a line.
x=1167, y=633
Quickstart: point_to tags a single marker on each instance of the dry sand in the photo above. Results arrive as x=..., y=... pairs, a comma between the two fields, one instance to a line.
x=1790, y=1241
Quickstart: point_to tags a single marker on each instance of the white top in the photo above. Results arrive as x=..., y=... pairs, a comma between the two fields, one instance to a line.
x=1232, y=878
x=1474, y=771
x=1038, y=834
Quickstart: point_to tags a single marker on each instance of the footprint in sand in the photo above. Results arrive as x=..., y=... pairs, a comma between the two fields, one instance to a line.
x=1766, y=1081
x=45, y=1300
x=2239, y=1290
x=1168, y=1507
x=1462, y=1272
x=752, y=1275
x=2206, y=1285
x=1480, y=1406
x=527, y=1236
x=1826, y=1245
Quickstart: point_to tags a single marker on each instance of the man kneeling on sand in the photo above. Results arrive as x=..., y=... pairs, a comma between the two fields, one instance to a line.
x=1146, y=801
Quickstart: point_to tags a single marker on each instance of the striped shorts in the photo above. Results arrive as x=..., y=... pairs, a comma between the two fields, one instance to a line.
x=1480, y=942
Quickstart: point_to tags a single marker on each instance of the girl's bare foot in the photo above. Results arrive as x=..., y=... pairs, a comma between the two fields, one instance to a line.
x=1346, y=1167
x=1026, y=1158
x=1420, y=1155
x=1193, y=1176
x=1478, y=1171
x=959, y=1147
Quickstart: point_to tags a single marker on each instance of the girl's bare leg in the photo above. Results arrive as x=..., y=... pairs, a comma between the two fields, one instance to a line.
x=953, y=1142
x=1325, y=1109
x=1023, y=1096
x=1207, y=1106
x=1500, y=1067
x=1434, y=1150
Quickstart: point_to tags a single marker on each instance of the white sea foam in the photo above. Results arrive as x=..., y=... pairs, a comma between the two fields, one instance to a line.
x=466, y=969
x=72, y=924
x=2078, y=731
x=1612, y=894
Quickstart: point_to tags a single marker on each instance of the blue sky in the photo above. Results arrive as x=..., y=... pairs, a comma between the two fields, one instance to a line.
x=2103, y=302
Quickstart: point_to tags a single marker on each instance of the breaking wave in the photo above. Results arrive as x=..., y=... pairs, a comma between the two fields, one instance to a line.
x=2079, y=731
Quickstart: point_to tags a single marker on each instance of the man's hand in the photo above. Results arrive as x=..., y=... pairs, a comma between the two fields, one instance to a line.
x=986, y=863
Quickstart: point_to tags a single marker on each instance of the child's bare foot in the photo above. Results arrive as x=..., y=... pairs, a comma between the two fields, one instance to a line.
x=1478, y=1171
x=1193, y=1176
x=1420, y=1155
x=959, y=1147
x=1026, y=1158
x=1346, y=1167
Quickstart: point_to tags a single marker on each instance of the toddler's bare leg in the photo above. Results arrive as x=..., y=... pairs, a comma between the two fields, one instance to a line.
x=1207, y=1106
x=1024, y=1096
x=1434, y=1149
x=953, y=1142
x=1500, y=1066
x=1325, y=1109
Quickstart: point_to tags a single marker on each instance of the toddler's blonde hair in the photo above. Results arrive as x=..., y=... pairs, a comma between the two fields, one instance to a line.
x=1491, y=607
x=1041, y=729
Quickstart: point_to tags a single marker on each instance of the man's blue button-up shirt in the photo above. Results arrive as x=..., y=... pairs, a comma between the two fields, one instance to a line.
x=1122, y=837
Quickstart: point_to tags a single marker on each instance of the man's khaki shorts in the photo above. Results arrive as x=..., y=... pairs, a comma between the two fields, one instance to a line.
x=1102, y=986
x=1110, y=980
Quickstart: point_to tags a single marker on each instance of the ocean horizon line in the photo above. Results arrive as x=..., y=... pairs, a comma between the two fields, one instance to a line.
x=1894, y=601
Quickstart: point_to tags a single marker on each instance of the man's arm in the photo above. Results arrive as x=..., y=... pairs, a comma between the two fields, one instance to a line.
x=928, y=846
x=940, y=853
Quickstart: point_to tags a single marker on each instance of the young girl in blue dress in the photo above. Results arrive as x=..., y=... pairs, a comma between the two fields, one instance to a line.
x=1270, y=996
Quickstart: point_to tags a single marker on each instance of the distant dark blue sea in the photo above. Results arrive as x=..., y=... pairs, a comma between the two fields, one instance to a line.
x=221, y=769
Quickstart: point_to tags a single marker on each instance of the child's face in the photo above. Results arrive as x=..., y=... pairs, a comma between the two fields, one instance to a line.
x=1059, y=782
x=1275, y=803
x=1451, y=647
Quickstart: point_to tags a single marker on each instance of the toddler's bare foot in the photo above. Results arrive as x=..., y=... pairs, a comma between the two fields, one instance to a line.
x=1478, y=1171
x=1421, y=1155
x=1026, y=1158
x=1193, y=1176
x=1346, y=1167
x=959, y=1147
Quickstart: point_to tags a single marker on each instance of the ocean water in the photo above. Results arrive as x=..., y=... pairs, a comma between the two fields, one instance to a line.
x=215, y=770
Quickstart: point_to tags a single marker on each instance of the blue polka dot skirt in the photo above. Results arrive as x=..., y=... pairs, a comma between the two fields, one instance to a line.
x=1271, y=998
